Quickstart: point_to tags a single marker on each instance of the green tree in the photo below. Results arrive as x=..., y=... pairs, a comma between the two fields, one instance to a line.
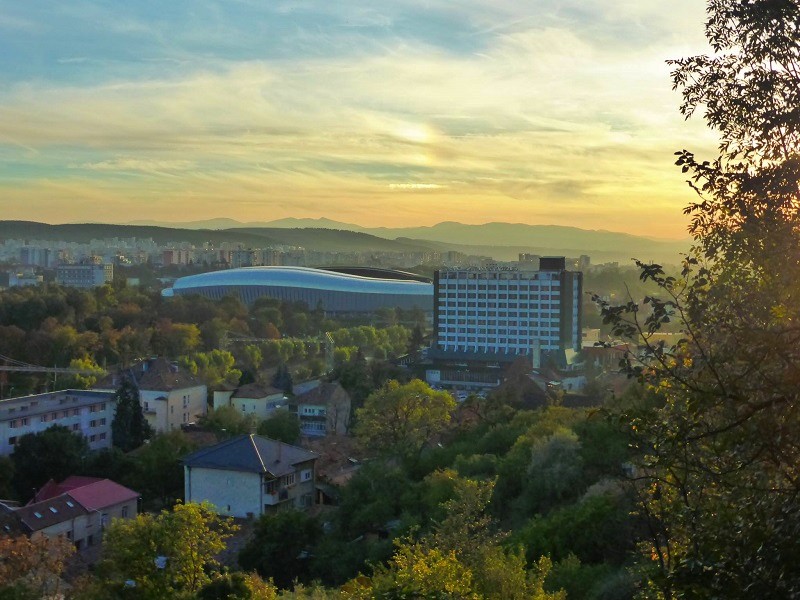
x=31, y=568
x=399, y=420
x=214, y=368
x=6, y=477
x=417, y=339
x=87, y=379
x=55, y=453
x=167, y=554
x=718, y=452
x=238, y=586
x=279, y=548
x=282, y=379
x=226, y=421
x=159, y=472
x=129, y=428
x=281, y=425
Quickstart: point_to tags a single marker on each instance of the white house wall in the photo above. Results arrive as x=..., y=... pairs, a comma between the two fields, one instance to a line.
x=234, y=493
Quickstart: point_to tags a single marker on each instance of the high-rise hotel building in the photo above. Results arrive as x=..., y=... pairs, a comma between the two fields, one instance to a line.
x=507, y=312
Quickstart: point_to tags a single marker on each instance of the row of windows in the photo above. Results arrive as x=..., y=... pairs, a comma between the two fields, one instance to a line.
x=92, y=438
x=492, y=290
x=23, y=408
x=46, y=418
x=467, y=317
x=498, y=276
x=450, y=331
x=471, y=315
x=496, y=300
x=445, y=307
x=509, y=322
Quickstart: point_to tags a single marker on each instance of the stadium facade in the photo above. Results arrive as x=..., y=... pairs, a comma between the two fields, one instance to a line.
x=336, y=292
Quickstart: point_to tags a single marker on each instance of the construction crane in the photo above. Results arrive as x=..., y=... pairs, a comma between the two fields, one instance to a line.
x=18, y=366
x=23, y=367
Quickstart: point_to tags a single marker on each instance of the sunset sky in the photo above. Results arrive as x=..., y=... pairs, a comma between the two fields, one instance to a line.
x=389, y=112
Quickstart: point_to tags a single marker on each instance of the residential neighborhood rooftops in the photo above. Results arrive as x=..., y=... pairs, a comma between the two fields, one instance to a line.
x=41, y=515
x=153, y=374
x=102, y=493
x=250, y=453
x=90, y=492
x=319, y=395
x=256, y=391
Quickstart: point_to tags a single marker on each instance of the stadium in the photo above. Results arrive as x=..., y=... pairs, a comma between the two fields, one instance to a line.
x=351, y=290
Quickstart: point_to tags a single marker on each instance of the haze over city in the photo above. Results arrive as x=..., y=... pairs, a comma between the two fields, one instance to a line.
x=389, y=114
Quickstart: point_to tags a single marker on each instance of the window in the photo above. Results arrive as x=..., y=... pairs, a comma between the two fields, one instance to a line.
x=271, y=486
x=76, y=412
x=13, y=424
x=92, y=438
x=12, y=440
x=288, y=479
x=124, y=512
x=54, y=510
x=305, y=475
x=76, y=426
x=102, y=436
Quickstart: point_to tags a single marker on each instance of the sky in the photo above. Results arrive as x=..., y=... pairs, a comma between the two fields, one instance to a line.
x=380, y=113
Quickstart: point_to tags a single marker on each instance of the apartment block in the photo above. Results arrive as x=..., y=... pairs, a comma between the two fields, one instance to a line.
x=507, y=312
x=87, y=412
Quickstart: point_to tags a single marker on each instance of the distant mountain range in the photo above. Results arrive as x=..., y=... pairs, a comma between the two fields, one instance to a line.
x=502, y=241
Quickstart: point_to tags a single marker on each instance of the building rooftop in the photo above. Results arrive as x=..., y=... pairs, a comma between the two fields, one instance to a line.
x=320, y=395
x=256, y=391
x=92, y=493
x=250, y=453
x=153, y=374
x=41, y=515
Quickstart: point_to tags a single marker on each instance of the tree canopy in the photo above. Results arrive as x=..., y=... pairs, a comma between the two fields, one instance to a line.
x=55, y=453
x=400, y=419
x=164, y=554
x=129, y=428
x=718, y=442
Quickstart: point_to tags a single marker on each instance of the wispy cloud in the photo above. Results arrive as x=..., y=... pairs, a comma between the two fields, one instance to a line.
x=496, y=110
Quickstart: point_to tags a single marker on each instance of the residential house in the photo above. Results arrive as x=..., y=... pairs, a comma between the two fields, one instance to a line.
x=170, y=396
x=78, y=508
x=323, y=409
x=250, y=475
x=252, y=399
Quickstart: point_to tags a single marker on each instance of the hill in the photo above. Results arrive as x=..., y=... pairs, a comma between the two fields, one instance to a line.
x=503, y=241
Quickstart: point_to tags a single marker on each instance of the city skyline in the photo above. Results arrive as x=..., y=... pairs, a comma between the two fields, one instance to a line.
x=396, y=114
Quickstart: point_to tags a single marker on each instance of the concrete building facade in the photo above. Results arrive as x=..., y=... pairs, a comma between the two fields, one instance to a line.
x=250, y=475
x=85, y=275
x=88, y=412
x=508, y=311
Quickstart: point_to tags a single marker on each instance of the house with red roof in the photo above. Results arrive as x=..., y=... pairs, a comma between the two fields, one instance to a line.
x=78, y=508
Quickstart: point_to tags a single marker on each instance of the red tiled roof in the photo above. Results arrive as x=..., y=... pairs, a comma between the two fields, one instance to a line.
x=51, y=489
x=90, y=492
x=102, y=494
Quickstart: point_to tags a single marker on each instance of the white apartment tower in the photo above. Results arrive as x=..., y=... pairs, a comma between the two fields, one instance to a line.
x=507, y=312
